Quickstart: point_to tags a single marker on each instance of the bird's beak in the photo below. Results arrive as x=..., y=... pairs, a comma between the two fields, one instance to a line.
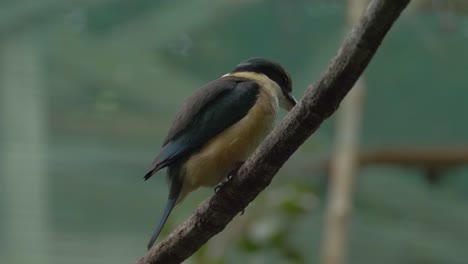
x=291, y=101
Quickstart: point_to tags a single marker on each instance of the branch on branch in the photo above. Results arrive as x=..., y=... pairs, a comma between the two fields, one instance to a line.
x=319, y=102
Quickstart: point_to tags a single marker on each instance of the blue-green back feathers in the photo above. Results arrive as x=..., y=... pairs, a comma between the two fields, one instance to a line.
x=206, y=113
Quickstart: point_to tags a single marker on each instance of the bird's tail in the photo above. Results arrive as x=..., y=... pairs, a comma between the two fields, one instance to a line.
x=169, y=206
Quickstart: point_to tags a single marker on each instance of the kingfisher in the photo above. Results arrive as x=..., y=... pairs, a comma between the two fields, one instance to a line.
x=219, y=126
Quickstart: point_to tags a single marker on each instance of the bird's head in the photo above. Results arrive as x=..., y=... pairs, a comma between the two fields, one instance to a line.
x=275, y=72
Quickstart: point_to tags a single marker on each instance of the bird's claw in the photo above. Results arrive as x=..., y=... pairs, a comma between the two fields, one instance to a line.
x=229, y=176
x=235, y=170
x=221, y=184
x=218, y=187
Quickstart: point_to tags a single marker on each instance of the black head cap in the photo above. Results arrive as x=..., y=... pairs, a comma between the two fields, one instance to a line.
x=271, y=69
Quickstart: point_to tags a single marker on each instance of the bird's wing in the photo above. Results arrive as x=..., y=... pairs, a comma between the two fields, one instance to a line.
x=210, y=110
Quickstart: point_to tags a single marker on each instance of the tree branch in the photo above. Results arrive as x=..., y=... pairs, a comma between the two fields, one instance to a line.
x=319, y=102
x=406, y=156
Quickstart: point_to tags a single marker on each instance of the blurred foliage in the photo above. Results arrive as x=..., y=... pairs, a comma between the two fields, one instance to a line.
x=116, y=71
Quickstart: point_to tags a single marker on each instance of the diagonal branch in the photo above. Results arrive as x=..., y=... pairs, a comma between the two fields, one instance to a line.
x=320, y=101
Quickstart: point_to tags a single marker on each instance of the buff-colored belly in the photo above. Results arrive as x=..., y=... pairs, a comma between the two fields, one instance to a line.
x=222, y=153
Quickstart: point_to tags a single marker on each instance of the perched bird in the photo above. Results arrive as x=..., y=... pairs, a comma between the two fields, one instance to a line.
x=219, y=126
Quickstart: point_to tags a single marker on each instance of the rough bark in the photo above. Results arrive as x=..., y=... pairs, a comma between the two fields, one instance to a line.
x=320, y=101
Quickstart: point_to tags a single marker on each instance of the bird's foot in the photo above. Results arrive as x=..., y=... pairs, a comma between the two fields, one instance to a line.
x=229, y=176
x=235, y=170
x=218, y=187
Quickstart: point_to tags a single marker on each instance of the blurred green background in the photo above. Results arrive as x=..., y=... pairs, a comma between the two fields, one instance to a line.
x=88, y=90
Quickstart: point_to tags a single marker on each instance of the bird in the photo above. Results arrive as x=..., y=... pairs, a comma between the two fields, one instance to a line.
x=219, y=126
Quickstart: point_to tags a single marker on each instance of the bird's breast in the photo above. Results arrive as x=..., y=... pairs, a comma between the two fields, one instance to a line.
x=221, y=154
